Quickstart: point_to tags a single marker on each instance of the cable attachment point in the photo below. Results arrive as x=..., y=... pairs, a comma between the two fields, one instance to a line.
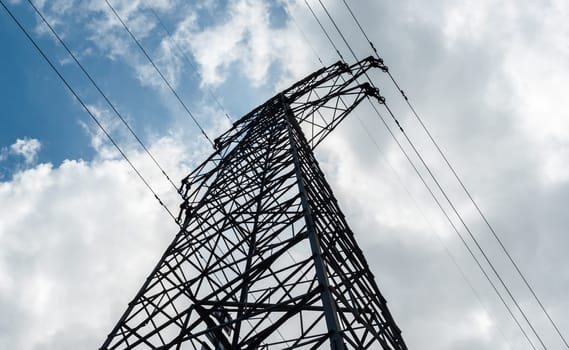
x=372, y=91
x=377, y=62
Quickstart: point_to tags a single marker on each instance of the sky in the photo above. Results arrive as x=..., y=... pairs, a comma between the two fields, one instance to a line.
x=79, y=232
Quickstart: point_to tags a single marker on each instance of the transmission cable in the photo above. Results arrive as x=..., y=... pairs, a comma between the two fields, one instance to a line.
x=133, y=37
x=444, y=194
x=437, y=183
x=433, y=231
x=496, y=273
x=91, y=114
x=324, y=30
x=455, y=229
x=462, y=185
x=117, y=113
x=191, y=63
x=441, y=189
x=444, y=213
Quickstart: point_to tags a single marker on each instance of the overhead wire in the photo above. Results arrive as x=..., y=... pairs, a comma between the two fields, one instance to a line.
x=166, y=81
x=97, y=87
x=433, y=231
x=466, y=227
x=190, y=62
x=400, y=180
x=84, y=105
x=417, y=153
x=461, y=183
x=325, y=32
x=455, y=229
x=442, y=191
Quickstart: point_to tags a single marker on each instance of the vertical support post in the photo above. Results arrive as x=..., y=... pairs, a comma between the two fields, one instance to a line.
x=330, y=312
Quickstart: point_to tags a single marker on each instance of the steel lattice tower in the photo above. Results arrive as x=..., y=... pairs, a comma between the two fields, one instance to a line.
x=264, y=258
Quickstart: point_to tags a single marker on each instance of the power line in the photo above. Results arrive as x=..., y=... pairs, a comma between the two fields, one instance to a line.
x=441, y=189
x=441, y=208
x=340, y=32
x=82, y=103
x=462, y=185
x=324, y=30
x=361, y=29
x=438, y=185
x=133, y=37
x=433, y=231
x=455, y=229
x=496, y=273
x=118, y=114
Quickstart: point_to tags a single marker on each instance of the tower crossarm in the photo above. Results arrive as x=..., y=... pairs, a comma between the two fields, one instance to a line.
x=319, y=102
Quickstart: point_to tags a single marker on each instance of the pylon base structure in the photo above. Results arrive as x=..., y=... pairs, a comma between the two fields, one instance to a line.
x=264, y=258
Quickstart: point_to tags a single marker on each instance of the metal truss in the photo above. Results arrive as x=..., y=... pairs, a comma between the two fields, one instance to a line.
x=265, y=258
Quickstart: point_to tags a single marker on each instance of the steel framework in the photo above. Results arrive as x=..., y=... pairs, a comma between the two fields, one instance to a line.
x=264, y=258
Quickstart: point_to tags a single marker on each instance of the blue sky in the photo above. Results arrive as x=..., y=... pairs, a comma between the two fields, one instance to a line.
x=35, y=103
x=489, y=77
x=38, y=105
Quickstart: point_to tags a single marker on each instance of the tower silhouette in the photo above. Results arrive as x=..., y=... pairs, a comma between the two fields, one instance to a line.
x=264, y=258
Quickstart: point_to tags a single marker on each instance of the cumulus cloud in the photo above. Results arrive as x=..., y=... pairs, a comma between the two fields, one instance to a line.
x=65, y=231
x=27, y=148
x=244, y=38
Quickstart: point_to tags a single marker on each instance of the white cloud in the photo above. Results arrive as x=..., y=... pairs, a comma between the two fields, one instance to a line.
x=247, y=39
x=27, y=148
x=241, y=37
x=65, y=232
x=538, y=71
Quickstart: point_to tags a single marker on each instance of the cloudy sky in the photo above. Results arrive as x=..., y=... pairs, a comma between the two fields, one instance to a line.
x=79, y=231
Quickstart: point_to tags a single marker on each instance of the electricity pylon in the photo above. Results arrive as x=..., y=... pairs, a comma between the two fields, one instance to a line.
x=264, y=258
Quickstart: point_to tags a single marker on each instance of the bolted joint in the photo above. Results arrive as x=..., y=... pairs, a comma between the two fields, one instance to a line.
x=343, y=67
x=217, y=144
